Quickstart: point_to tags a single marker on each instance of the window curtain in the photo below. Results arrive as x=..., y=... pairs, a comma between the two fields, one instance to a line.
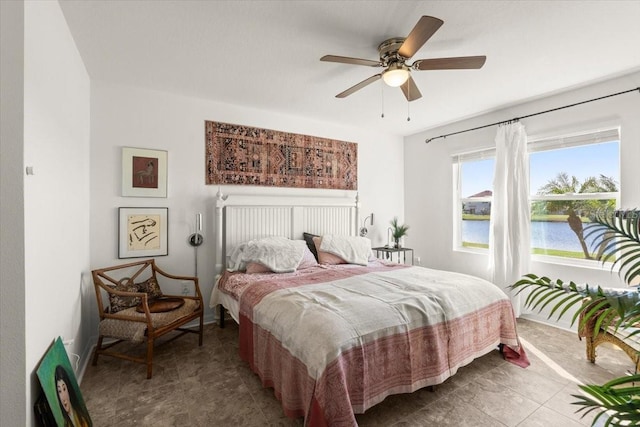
x=510, y=251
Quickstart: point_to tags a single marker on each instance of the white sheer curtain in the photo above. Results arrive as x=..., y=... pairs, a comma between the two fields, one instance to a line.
x=509, y=253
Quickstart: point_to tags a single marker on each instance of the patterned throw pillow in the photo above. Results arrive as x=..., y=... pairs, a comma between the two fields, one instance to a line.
x=118, y=302
x=150, y=287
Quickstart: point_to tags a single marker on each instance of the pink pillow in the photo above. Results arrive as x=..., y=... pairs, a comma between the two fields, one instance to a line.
x=326, y=257
x=308, y=259
x=256, y=267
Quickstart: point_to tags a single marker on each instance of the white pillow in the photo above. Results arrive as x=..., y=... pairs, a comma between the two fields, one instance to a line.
x=279, y=254
x=236, y=261
x=352, y=249
x=308, y=261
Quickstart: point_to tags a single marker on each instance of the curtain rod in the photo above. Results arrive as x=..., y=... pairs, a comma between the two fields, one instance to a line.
x=428, y=140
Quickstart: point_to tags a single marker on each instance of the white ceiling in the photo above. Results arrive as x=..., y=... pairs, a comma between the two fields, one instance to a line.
x=266, y=54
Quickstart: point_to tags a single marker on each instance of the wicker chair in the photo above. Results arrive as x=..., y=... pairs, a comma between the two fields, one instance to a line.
x=608, y=333
x=132, y=307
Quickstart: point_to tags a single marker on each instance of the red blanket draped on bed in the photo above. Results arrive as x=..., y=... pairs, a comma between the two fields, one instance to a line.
x=334, y=341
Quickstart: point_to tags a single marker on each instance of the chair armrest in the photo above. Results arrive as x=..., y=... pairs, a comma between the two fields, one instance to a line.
x=174, y=276
x=588, y=328
x=123, y=293
x=193, y=279
x=144, y=300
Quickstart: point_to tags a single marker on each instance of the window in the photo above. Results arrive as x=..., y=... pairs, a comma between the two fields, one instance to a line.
x=475, y=180
x=570, y=178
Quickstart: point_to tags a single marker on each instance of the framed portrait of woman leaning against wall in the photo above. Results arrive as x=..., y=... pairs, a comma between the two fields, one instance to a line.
x=58, y=381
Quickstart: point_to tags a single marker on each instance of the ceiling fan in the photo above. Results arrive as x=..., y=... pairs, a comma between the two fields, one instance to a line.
x=394, y=54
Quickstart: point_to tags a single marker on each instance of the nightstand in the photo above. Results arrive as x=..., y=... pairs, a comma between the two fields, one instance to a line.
x=387, y=253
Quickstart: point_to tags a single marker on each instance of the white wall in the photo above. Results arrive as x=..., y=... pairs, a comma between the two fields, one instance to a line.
x=13, y=397
x=133, y=117
x=56, y=208
x=50, y=218
x=429, y=178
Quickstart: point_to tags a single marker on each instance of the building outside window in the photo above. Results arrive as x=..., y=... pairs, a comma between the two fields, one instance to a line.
x=571, y=177
x=475, y=172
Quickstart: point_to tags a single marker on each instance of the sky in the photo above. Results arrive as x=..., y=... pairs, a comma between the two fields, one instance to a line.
x=581, y=161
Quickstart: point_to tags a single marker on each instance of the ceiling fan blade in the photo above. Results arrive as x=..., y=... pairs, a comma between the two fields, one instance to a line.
x=358, y=86
x=458, y=63
x=424, y=29
x=349, y=60
x=410, y=90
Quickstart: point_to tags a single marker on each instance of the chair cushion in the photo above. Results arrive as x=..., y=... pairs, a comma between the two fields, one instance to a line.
x=134, y=331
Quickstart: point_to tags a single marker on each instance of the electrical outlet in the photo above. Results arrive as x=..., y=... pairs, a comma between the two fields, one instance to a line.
x=185, y=287
x=418, y=260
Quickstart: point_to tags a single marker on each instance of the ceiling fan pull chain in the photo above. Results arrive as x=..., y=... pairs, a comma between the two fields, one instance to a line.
x=382, y=97
x=408, y=104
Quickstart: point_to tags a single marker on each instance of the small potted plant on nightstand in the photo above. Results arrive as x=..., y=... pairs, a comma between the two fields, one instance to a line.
x=398, y=231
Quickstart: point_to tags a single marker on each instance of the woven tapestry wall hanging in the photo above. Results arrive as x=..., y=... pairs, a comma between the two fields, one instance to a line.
x=244, y=155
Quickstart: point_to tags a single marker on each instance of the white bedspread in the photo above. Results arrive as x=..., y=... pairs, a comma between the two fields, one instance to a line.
x=358, y=310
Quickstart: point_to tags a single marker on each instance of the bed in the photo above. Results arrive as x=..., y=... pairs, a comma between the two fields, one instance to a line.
x=334, y=339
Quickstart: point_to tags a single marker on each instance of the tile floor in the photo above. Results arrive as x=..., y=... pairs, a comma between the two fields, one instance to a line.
x=210, y=385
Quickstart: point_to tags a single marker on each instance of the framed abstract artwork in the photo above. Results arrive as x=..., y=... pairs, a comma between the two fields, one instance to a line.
x=143, y=232
x=144, y=172
x=65, y=405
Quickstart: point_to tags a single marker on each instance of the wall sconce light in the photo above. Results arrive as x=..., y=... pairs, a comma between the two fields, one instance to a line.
x=196, y=239
x=363, y=229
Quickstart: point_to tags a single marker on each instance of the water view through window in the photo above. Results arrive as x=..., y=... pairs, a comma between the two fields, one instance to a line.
x=566, y=184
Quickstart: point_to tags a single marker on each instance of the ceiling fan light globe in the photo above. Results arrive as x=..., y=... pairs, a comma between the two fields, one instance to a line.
x=395, y=77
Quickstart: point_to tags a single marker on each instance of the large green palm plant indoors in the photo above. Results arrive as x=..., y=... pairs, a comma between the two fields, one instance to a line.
x=616, y=238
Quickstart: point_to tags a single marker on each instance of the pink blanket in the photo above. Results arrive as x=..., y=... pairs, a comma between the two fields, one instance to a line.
x=336, y=340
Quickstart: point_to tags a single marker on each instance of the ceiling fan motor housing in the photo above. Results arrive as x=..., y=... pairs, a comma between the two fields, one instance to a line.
x=388, y=50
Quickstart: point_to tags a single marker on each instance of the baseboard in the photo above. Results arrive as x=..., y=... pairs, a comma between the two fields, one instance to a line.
x=85, y=357
x=565, y=326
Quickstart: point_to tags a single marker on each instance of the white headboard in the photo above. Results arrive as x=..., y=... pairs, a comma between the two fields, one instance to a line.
x=240, y=218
